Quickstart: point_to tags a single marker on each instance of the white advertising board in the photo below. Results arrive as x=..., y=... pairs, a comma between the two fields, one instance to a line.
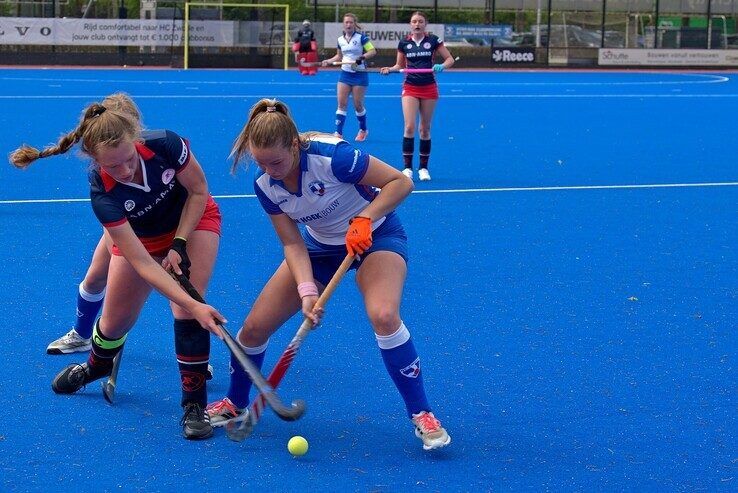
x=381, y=35
x=111, y=32
x=664, y=57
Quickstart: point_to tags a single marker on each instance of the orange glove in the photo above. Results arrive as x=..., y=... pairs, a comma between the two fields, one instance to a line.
x=359, y=235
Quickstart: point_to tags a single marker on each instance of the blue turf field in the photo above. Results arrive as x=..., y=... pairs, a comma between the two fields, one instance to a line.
x=573, y=292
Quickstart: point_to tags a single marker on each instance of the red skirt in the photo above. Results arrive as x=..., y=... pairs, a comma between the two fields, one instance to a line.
x=429, y=91
x=158, y=246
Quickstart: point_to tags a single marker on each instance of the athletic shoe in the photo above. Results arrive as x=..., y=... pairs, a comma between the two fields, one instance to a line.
x=362, y=135
x=430, y=431
x=423, y=174
x=336, y=134
x=195, y=422
x=223, y=411
x=209, y=374
x=71, y=342
x=71, y=379
x=408, y=172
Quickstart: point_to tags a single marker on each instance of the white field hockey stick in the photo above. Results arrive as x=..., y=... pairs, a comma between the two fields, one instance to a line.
x=241, y=427
x=318, y=64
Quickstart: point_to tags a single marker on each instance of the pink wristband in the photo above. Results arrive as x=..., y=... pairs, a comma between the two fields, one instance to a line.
x=307, y=289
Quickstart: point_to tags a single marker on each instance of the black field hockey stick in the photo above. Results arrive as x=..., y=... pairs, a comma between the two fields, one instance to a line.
x=286, y=413
x=241, y=427
x=108, y=386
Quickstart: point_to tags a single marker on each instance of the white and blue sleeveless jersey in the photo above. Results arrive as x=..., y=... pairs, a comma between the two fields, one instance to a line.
x=353, y=48
x=329, y=193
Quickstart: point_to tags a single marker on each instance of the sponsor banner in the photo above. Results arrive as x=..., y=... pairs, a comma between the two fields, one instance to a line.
x=505, y=56
x=477, y=31
x=662, y=57
x=112, y=32
x=382, y=35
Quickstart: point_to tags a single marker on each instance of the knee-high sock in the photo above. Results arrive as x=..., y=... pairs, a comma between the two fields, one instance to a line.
x=340, y=120
x=238, y=391
x=361, y=116
x=403, y=365
x=408, y=148
x=425, y=149
x=192, y=344
x=104, y=350
x=88, y=306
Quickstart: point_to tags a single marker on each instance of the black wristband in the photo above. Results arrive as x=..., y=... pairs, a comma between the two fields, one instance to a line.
x=179, y=245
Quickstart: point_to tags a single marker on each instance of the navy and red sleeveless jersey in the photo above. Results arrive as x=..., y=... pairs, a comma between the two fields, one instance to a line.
x=155, y=207
x=420, y=55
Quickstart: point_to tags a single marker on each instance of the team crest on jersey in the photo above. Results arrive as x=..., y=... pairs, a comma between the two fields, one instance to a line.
x=167, y=176
x=317, y=187
x=426, y=45
x=129, y=205
x=409, y=47
x=412, y=370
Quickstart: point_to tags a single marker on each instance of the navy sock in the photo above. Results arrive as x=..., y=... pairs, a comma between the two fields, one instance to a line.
x=403, y=365
x=238, y=391
x=408, y=148
x=425, y=149
x=362, y=119
x=192, y=344
x=88, y=306
x=104, y=350
x=340, y=120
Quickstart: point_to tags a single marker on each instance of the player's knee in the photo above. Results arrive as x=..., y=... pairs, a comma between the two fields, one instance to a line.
x=409, y=129
x=385, y=321
x=95, y=280
x=252, y=334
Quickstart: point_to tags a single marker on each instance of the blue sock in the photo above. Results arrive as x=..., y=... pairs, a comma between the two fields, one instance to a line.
x=340, y=120
x=362, y=119
x=88, y=306
x=403, y=364
x=238, y=391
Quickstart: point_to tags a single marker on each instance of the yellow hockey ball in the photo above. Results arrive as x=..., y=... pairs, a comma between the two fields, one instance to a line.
x=297, y=446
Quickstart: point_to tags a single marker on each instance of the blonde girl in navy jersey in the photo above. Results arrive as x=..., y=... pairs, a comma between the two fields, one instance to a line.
x=150, y=194
x=92, y=288
x=333, y=190
x=354, y=48
x=419, y=91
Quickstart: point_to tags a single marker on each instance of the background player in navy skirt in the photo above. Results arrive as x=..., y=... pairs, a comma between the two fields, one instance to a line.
x=151, y=197
x=327, y=185
x=419, y=91
x=354, y=48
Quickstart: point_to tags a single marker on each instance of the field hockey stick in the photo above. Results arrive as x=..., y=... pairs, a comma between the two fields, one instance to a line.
x=417, y=70
x=286, y=413
x=108, y=386
x=317, y=64
x=239, y=429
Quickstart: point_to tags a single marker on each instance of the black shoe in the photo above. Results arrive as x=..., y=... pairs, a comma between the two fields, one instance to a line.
x=71, y=379
x=196, y=422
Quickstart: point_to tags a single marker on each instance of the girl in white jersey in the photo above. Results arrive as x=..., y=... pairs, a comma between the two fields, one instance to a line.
x=354, y=48
x=326, y=184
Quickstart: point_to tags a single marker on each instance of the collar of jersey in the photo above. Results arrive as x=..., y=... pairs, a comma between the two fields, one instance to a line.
x=303, y=168
x=144, y=152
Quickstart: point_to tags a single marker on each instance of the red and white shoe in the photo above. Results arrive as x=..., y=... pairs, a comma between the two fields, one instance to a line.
x=222, y=412
x=362, y=135
x=430, y=431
